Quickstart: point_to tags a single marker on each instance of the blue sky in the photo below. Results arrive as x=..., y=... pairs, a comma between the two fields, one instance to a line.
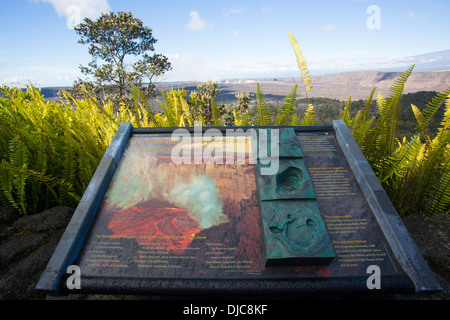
x=215, y=40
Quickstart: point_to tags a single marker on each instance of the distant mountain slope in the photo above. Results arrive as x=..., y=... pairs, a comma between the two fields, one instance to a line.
x=340, y=86
x=359, y=84
x=337, y=86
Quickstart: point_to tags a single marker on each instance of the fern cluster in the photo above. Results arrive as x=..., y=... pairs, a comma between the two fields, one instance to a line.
x=50, y=150
x=415, y=172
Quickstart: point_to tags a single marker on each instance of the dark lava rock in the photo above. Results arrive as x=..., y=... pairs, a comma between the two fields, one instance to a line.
x=26, y=245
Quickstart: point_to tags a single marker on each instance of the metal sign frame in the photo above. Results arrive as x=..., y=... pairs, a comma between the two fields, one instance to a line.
x=419, y=278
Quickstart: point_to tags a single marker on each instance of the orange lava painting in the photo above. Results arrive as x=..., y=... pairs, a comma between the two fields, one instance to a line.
x=172, y=229
x=158, y=218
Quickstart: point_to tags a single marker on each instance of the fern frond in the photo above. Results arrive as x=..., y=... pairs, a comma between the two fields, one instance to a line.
x=380, y=142
x=241, y=120
x=404, y=156
x=139, y=97
x=362, y=121
x=263, y=114
x=69, y=161
x=216, y=115
x=369, y=100
x=45, y=179
x=361, y=127
x=19, y=159
x=439, y=195
x=295, y=121
x=41, y=156
x=176, y=106
x=365, y=112
x=237, y=118
x=187, y=112
x=168, y=110
x=445, y=123
x=309, y=117
x=161, y=120
x=287, y=107
x=141, y=104
x=302, y=63
x=427, y=174
x=86, y=166
x=421, y=122
x=394, y=98
x=345, y=114
x=380, y=102
x=437, y=148
x=429, y=110
x=6, y=186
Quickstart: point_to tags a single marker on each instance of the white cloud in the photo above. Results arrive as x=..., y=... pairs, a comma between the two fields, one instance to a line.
x=197, y=23
x=236, y=10
x=76, y=10
x=411, y=14
x=235, y=33
x=329, y=28
x=232, y=11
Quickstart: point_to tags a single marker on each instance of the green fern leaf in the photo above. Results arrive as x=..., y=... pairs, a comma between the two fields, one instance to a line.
x=402, y=159
x=70, y=164
x=287, y=107
x=345, y=114
x=295, y=121
x=168, y=109
x=141, y=102
x=187, y=112
x=19, y=159
x=216, y=115
x=241, y=120
x=445, y=123
x=419, y=117
x=424, y=118
x=302, y=63
x=439, y=195
x=6, y=186
x=309, y=117
x=161, y=120
x=362, y=121
x=380, y=142
x=245, y=120
x=263, y=114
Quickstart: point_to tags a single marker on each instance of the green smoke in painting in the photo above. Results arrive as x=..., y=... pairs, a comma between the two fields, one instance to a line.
x=144, y=177
x=201, y=198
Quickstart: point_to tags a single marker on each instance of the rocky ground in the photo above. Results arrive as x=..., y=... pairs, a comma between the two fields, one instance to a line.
x=27, y=243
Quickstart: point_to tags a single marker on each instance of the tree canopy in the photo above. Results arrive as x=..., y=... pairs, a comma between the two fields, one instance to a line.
x=120, y=46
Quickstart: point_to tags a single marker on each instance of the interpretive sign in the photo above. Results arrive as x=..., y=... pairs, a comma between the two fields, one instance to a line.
x=254, y=210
